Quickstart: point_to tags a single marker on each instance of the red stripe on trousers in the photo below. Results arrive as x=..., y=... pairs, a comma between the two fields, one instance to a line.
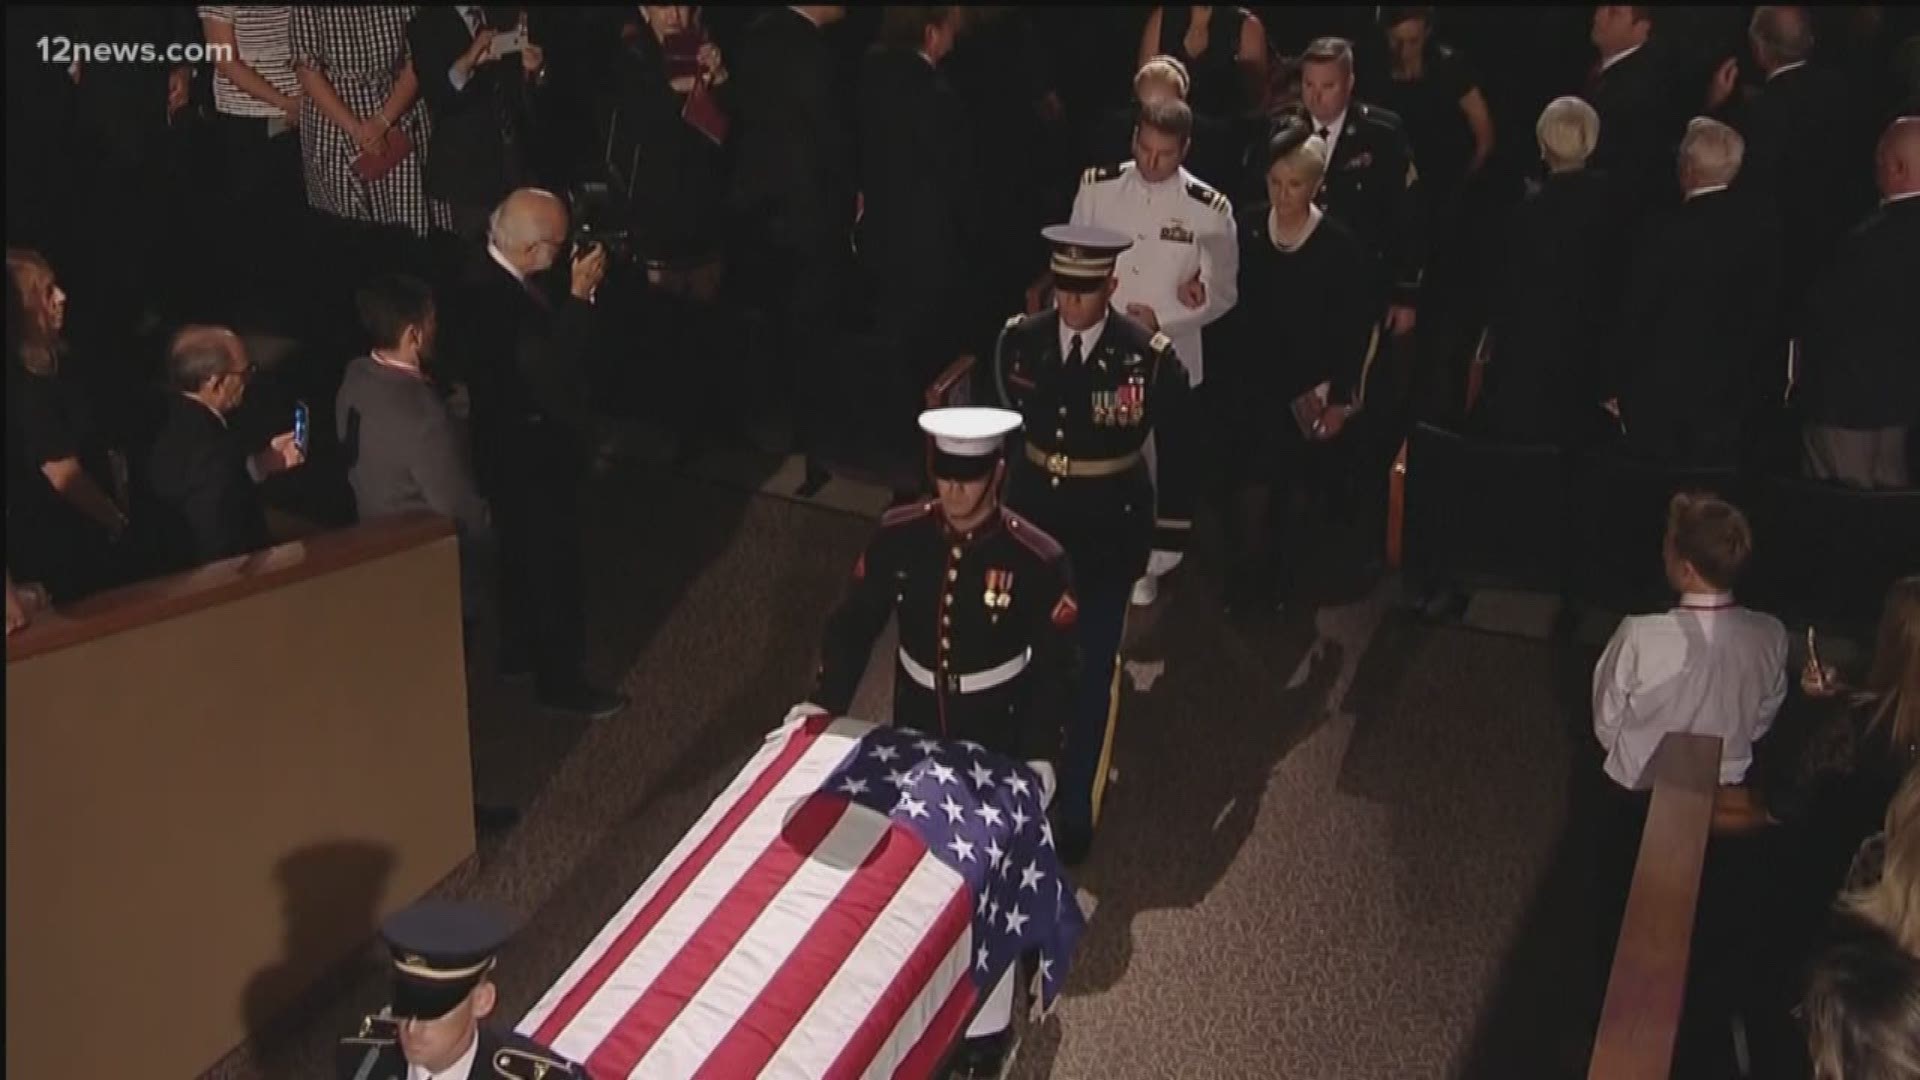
x=762, y=1029
x=709, y=946
x=650, y=914
x=932, y=1047
x=906, y=986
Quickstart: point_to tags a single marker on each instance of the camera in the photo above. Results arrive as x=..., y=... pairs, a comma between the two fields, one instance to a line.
x=600, y=218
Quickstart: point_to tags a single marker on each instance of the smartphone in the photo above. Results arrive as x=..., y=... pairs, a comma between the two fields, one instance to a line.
x=300, y=425
x=508, y=42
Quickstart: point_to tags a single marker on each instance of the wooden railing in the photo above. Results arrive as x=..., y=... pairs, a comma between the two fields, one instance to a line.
x=1647, y=988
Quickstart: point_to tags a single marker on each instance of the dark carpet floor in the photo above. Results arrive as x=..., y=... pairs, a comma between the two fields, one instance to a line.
x=1335, y=848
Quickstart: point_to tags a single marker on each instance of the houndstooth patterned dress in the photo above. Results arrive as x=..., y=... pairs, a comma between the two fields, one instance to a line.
x=361, y=50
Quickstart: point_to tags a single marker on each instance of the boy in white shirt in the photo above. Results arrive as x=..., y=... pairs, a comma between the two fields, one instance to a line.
x=1707, y=666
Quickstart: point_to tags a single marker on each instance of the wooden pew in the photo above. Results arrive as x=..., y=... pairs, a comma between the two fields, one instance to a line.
x=1647, y=988
x=217, y=783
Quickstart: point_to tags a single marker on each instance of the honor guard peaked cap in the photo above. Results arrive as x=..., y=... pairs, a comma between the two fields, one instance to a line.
x=441, y=951
x=1083, y=255
x=967, y=442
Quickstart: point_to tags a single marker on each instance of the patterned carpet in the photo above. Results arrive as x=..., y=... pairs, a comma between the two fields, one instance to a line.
x=1331, y=852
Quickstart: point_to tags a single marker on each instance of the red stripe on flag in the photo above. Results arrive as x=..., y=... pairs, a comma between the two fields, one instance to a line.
x=650, y=913
x=907, y=984
x=932, y=1047
x=709, y=945
x=760, y=1031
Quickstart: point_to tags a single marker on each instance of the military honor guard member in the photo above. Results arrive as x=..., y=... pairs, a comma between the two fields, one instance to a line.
x=443, y=957
x=1093, y=384
x=1181, y=269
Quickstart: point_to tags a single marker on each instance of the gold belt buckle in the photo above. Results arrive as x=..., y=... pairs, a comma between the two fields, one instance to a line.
x=1057, y=464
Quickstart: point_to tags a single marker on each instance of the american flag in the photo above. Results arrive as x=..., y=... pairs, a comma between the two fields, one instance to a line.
x=838, y=912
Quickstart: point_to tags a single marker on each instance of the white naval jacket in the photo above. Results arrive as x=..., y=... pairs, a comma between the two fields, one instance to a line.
x=1177, y=226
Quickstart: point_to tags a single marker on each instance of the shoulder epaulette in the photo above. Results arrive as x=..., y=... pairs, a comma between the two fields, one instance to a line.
x=1160, y=343
x=1378, y=115
x=523, y=1063
x=1213, y=199
x=1032, y=537
x=900, y=515
x=1101, y=172
x=1014, y=321
x=375, y=1030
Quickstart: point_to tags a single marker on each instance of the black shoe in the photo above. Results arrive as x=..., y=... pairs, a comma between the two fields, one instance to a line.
x=816, y=478
x=587, y=700
x=494, y=819
x=983, y=1057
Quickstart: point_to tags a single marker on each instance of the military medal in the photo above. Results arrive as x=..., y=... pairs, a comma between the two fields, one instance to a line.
x=999, y=594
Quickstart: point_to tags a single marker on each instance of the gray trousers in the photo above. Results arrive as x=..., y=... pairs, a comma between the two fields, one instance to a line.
x=1873, y=459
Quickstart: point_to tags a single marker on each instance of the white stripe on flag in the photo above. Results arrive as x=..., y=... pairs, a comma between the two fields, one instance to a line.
x=816, y=1041
x=913, y=1023
x=597, y=948
x=746, y=971
x=681, y=922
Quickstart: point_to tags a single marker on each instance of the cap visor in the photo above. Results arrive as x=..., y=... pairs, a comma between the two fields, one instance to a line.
x=955, y=467
x=1078, y=284
x=415, y=1000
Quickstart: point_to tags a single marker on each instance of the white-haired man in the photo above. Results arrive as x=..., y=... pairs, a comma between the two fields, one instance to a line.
x=1701, y=318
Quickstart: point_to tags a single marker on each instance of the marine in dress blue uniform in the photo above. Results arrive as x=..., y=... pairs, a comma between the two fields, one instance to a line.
x=1092, y=385
x=443, y=959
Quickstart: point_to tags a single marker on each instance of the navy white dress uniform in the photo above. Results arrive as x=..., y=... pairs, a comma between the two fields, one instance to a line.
x=1175, y=228
x=1090, y=398
x=441, y=951
x=986, y=617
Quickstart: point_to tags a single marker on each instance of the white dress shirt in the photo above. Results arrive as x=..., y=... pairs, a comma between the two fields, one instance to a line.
x=1707, y=667
x=1707, y=190
x=1174, y=234
x=1333, y=131
x=456, y=1071
x=1088, y=338
x=1617, y=57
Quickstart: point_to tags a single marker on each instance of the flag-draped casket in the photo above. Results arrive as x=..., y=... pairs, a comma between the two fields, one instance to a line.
x=839, y=911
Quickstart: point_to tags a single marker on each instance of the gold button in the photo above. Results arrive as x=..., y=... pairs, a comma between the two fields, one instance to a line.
x=1063, y=410
x=951, y=574
x=946, y=620
x=1059, y=434
x=956, y=552
x=945, y=644
x=1055, y=481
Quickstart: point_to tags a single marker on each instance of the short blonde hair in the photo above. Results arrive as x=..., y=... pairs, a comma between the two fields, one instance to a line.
x=1568, y=130
x=1311, y=155
x=1166, y=69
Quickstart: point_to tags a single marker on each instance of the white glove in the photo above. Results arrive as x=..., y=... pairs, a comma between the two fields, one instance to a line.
x=1161, y=563
x=1044, y=770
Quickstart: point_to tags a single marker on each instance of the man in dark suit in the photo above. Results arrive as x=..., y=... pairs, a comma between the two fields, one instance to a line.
x=1799, y=129
x=1629, y=91
x=201, y=480
x=1861, y=389
x=793, y=195
x=918, y=205
x=520, y=355
x=1372, y=186
x=1699, y=331
x=481, y=105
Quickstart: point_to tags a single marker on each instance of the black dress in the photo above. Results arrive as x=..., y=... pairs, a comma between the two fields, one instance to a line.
x=1218, y=89
x=1305, y=317
x=48, y=541
x=672, y=171
x=1429, y=106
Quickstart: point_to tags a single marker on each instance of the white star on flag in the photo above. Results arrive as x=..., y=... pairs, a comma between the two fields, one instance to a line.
x=982, y=962
x=982, y=776
x=853, y=785
x=899, y=779
x=1046, y=969
x=883, y=753
x=962, y=849
x=914, y=807
x=927, y=746
x=943, y=774
x=973, y=747
x=993, y=911
x=954, y=812
x=981, y=907
x=1019, y=784
x=1016, y=921
x=1020, y=820
x=989, y=814
x=1031, y=877
x=1046, y=833
x=994, y=854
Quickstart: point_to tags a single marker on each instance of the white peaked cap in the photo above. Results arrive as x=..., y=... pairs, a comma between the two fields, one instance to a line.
x=969, y=432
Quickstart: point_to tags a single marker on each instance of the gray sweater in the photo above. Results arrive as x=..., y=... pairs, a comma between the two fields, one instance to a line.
x=404, y=452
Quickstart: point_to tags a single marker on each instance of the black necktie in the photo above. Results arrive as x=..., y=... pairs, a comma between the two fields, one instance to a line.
x=1074, y=358
x=1325, y=135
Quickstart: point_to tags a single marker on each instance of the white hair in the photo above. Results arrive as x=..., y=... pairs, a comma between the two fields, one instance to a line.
x=1568, y=130
x=511, y=231
x=1711, y=152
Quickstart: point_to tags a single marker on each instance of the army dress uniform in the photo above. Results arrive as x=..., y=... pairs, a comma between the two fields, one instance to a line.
x=1372, y=186
x=1090, y=399
x=986, y=622
x=441, y=952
